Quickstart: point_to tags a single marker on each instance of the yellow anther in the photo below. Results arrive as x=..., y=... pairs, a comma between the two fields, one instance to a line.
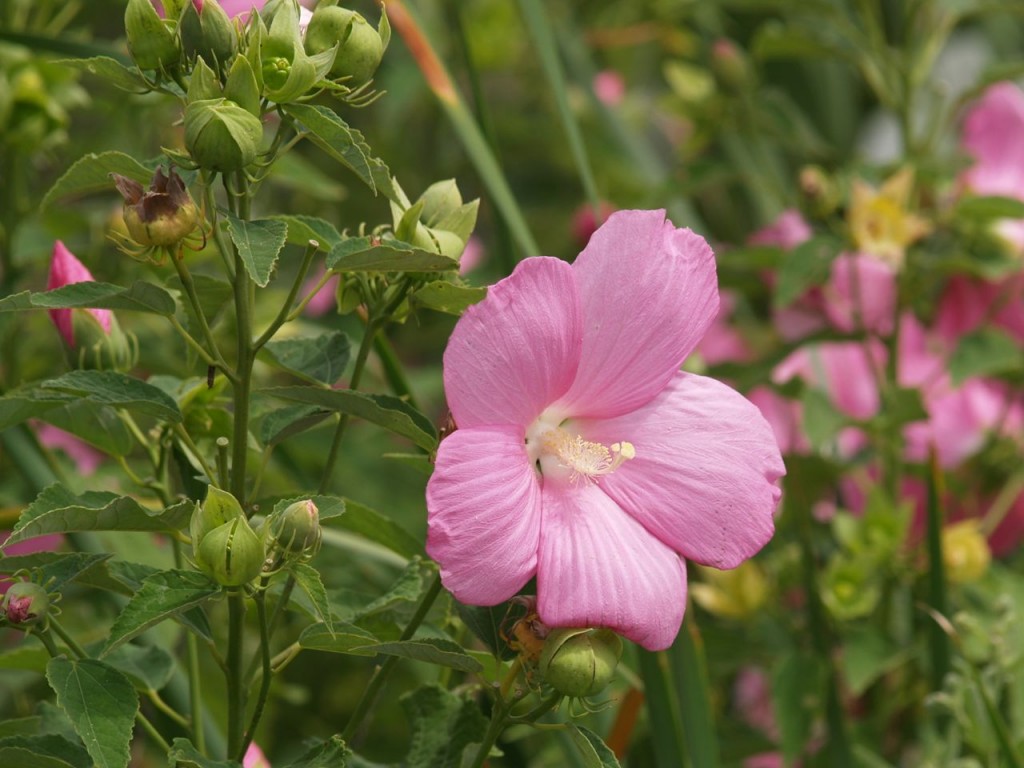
x=586, y=460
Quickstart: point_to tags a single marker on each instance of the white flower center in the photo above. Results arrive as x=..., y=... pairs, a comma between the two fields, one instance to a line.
x=561, y=453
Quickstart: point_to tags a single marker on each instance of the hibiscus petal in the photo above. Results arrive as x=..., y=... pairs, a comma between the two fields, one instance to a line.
x=484, y=512
x=516, y=351
x=648, y=292
x=703, y=478
x=599, y=568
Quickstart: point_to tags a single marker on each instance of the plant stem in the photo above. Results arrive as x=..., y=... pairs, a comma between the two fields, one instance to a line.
x=284, y=313
x=195, y=690
x=236, y=693
x=261, y=699
x=69, y=641
x=663, y=710
x=193, y=299
x=938, y=641
x=499, y=716
x=382, y=672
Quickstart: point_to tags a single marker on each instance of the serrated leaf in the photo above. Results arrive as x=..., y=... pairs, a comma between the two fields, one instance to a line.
x=443, y=725
x=98, y=425
x=23, y=756
x=302, y=229
x=376, y=527
x=55, y=569
x=57, y=510
x=804, y=267
x=140, y=296
x=443, y=296
x=20, y=726
x=100, y=702
x=985, y=352
x=433, y=650
x=119, y=390
x=309, y=581
x=258, y=242
x=342, y=637
x=149, y=667
x=319, y=359
x=332, y=753
x=593, y=750
x=184, y=755
x=162, y=595
x=386, y=411
x=277, y=426
x=92, y=174
x=344, y=144
x=406, y=589
x=110, y=70
x=371, y=254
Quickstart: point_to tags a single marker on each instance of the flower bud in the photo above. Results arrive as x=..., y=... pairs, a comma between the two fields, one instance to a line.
x=220, y=135
x=162, y=216
x=440, y=199
x=26, y=604
x=818, y=190
x=965, y=552
x=232, y=555
x=579, y=662
x=101, y=348
x=729, y=64
x=220, y=507
x=361, y=47
x=734, y=594
x=150, y=41
x=207, y=31
x=65, y=269
x=848, y=591
x=439, y=241
x=295, y=530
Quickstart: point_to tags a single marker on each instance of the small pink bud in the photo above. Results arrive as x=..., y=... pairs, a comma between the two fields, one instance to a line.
x=585, y=223
x=26, y=604
x=609, y=87
x=65, y=269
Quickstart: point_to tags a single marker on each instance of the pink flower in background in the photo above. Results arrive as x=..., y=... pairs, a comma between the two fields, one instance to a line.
x=583, y=456
x=785, y=418
x=65, y=269
x=967, y=303
x=472, y=256
x=787, y=232
x=843, y=369
x=585, y=223
x=254, y=757
x=752, y=695
x=861, y=294
x=723, y=343
x=86, y=458
x=46, y=543
x=324, y=300
x=609, y=87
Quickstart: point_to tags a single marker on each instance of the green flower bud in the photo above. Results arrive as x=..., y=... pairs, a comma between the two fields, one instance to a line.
x=439, y=241
x=848, y=590
x=440, y=199
x=219, y=507
x=208, y=33
x=242, y=87
x=204, y=83
x=100, y=348
x=150, y=41
x=232, y=555
x=220, y=135
x=579, y=662
x=162, y=216
x=818, y=190
x=361, y=45
x=730, y=65
x=26, y=604
x=296, y=529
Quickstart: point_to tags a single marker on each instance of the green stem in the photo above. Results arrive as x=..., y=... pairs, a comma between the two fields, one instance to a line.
x=499, y=718
x=213, y=353
x=236, y=693
x=545, y=706
x=382, y=672
x=261, y=699
x=69, y=641
x=195, y=686
x=392, y=368
x=663, y=710
x=938, y=641
x=186, y=440
x=242, y=384
x=284, y=313
x=691, y=673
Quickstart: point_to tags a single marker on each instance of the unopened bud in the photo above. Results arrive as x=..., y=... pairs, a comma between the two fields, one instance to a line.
x=150, y=41
x=439, y=241
x=295, y=530
x=580, y=662
x=207, y=31
x=729, y=64
x=26, y=604
x=819, y=191
x=162, y=216
x=361, y=47
x=965, y=552
x=440, y=199
x=220, y=507
x=232, y=555
x=220, y=135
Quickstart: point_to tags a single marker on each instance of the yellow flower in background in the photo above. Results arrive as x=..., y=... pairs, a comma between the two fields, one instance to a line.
x=880, y=221
x=733, y=594
x=965, y=552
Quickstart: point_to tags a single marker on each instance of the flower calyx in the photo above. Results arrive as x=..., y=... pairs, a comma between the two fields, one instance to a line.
x=579, y=662
x=25, y=605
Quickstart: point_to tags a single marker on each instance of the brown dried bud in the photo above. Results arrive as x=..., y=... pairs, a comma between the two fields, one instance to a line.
x=162, y=216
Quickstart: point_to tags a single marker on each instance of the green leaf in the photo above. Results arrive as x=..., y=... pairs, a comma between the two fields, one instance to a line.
x=342, y=637
x=21, y=726
x=149, y=667
x=774, y=41
x=42, y=750
x=332, y=753
x=433, y=650
x=33, y=658
x=371, y=254
x=376, y=527
x=985, y=352
x=92, y=174
x=443, y=296
x=25, y=757
x=319, y=359
x=867, y=655
x=258, y=243
x=327, y=506
x=485, y=622
x=822, y=421
x=215, y=296
x=101, y=704
x=55, y=569
x=114, y=72
x=139, y=297
x=184, y=755
x=443, y=725
x=162, y=595
x=99, y=425
x=344, y=144
x=308, y=579
x=975, y=209
x=383, y=410
x=119, y=390
x=795, y=680
x=302, y=229
x=806, y=266
x=277, y=426
x=58, y=510
x=593, y=750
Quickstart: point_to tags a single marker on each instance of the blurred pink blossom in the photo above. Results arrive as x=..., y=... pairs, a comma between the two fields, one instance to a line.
x=46, y=543
x=723, y=343
x=254, y=757
x=861, y=294
x=324, y=300
x=787, y=232
x=585, y=223
x=609, y=87
x=65, y=269
x=473, y=255
x=558, y=368
x=784, y=416
x=86, y=458
x=752, y=695
x=967, y=303
x=843, y=369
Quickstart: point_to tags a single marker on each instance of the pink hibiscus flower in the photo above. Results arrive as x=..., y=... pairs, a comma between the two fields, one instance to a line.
x=65, y=269
x=584, y=456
